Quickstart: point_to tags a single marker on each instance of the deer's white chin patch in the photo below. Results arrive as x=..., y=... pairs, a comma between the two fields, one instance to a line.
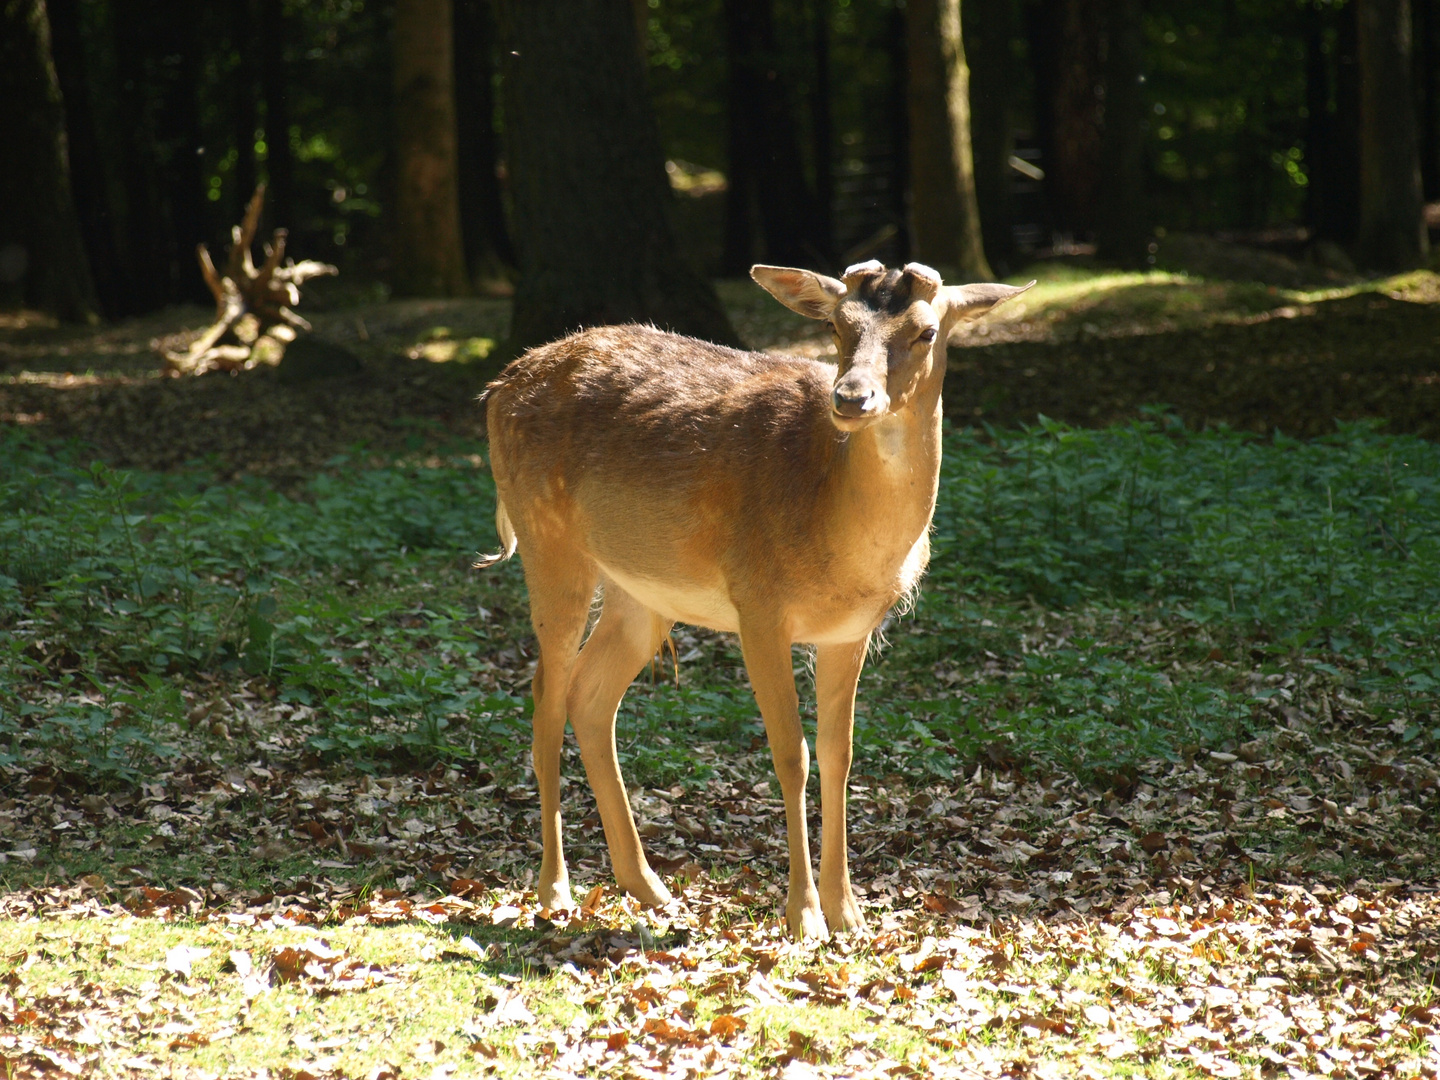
x=853, y=423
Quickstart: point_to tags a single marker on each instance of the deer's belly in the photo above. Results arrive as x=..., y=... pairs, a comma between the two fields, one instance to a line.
x=824, y=612
x=684, y=602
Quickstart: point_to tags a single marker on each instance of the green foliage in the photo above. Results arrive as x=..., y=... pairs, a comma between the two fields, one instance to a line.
x=1274, y=552
x=1085, y=587
x=1290, y=543
x=138, y=581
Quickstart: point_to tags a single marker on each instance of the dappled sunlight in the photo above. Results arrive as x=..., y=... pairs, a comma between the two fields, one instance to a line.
x=1013, y=924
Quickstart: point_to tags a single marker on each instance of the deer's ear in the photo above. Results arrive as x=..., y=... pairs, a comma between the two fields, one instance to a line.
x=973, y=301
x=812, y=295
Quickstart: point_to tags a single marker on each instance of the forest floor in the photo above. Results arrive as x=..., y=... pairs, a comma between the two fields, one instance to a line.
x=1254, y=892
x=1085, y=347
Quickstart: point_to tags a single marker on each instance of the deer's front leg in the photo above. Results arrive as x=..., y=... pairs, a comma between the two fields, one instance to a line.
x=837, y=671
x=767, y=659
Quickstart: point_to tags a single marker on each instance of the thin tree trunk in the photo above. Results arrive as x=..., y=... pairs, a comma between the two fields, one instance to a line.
x=1044, y=25
x=87, y=171
x=945, y=219
x=989, y=27
x=765, y=146
x=482, y=213
x=1392, y=225
x=40, y=242
x=1122, y=229
x=178, y=139
x=275, y=80
x=427, y=257
x=746, y=116
x=1079, y=116
x=897, y=108
x=1427, y=71
x=591, y=199
x=821, y=127
x=245, y=117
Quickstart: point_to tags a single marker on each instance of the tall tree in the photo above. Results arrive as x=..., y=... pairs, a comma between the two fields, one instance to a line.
x=275, y=31
x=1426, y=66
x=897, y=115
x=244, y=115
x=990, y=26
x=1392, y=222
x=482, y=213
x=767, y=185
x=945, y=218
x=87, y=170
x=591, y=198
x=1069, y=76
x=179, y=145
x=822, y=128
x=40, y=242
x=1332, y=133
x=1122, y=229
x=427, y=254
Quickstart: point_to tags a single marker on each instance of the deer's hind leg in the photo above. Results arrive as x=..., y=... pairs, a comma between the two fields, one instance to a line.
x=623, y=641
x=561, y=582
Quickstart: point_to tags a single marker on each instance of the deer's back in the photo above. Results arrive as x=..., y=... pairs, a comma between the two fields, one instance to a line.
x=632, y=405
x=685, y=470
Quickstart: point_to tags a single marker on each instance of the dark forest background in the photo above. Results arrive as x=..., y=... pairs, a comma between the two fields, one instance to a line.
x=431, y=148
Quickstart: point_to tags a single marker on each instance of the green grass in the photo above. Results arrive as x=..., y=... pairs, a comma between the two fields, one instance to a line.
x=1092, y=600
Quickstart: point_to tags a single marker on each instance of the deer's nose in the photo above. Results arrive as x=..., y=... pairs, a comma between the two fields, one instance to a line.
x=854, y=401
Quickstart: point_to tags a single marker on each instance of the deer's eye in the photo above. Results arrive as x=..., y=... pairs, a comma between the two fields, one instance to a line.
x=831, y=327
x=926, y=336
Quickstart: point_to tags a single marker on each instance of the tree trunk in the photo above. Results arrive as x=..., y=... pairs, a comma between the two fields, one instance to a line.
x=275, y=83
x=40, y=243
x=141, y=230
x=1392, y=223
x=945, y=220
x=1427, y=69
x=1074, y=107
x=179, y=143
x=87, y=171
x=245, y=119
x=1043, y=27
x=1122, y=230
x=427, y=258
x=745, y=116
x=897, y=109
x=766, y=171
x=482, y=212
x=1332, y=134
x=989, y=27
x=591, y=197
x=821, y=127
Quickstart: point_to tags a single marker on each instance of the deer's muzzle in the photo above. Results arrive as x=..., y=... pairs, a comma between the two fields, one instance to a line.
x=859, y=395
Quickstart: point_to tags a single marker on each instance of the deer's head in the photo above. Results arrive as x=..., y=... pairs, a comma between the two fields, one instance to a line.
x=886, y=325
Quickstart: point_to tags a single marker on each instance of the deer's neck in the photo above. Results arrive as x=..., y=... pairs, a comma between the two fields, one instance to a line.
x=889, y=474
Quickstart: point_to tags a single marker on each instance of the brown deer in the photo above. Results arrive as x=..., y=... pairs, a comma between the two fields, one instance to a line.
x=783, y=499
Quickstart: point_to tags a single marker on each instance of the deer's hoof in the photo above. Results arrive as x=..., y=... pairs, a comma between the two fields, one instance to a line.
x=649, y=890
x=807, y=921
x=844, y=915
x=557, y=897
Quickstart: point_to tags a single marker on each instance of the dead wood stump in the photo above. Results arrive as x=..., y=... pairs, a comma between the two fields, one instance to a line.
x=255, y=314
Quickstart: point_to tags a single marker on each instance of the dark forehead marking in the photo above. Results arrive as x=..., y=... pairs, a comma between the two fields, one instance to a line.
x=887, y=291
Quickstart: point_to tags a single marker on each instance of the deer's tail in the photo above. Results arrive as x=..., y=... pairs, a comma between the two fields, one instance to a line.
x=508, y=542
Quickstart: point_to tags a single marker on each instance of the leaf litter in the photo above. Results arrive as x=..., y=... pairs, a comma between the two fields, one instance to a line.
x=1272, y=912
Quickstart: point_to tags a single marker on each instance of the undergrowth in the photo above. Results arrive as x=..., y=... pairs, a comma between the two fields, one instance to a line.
x=1096, y=598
